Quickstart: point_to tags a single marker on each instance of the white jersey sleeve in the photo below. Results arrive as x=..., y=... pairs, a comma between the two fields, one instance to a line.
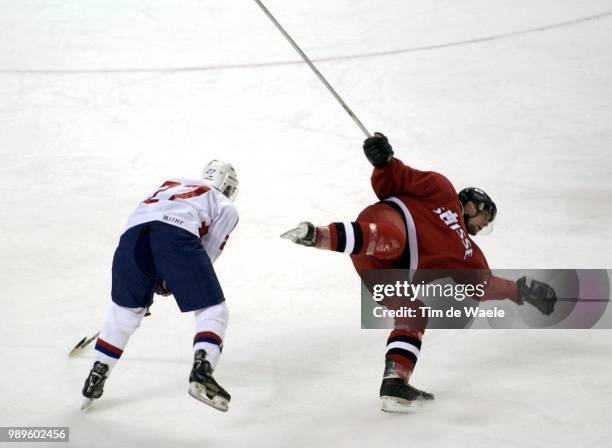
x=193, y=205
x=219, y=231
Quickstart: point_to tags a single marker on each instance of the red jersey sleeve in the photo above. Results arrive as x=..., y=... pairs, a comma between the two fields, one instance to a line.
x=499, y=288
x=399, y=179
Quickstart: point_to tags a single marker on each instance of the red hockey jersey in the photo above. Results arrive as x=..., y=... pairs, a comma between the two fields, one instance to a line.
x=436, y=231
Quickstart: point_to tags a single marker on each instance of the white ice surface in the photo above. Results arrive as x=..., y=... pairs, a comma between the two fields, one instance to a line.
x=103, y=100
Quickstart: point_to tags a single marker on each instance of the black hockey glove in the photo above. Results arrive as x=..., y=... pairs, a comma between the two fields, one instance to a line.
x=378, y=150
x=539, y=294
x=161, y=288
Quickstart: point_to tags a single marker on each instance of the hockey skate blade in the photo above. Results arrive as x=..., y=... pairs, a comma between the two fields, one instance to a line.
x=297, y=233
x=86, y=403
x=198, y=391
x=399, y=405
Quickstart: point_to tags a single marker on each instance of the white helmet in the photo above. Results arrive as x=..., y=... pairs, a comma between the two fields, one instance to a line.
x=223, y=177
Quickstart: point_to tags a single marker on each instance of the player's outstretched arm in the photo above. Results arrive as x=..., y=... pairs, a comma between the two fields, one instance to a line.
x=391, y=177
x=525, y=289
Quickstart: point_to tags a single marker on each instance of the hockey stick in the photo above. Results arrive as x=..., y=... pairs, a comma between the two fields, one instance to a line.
x=88, y=340
x=82, y=344
x=314, y=69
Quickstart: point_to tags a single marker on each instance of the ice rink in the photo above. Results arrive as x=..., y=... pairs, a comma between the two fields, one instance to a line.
x=101, y=101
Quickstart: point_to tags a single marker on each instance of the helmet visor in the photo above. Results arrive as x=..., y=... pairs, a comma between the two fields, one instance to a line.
x=486, y=230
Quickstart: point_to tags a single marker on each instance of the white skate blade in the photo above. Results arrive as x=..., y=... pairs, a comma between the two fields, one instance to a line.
x=86, y=403
x=399, y=405
x=198, y=391
x=296, y=233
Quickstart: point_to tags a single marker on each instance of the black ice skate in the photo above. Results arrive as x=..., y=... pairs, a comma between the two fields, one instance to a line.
x=94, y=384
x=397, y=396
x=304, y=234
x=202, y=385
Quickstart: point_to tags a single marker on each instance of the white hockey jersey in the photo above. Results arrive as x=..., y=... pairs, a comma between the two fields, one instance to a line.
x=193, y=205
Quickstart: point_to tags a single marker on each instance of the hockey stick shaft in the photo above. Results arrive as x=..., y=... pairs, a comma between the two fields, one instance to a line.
x=314, y=69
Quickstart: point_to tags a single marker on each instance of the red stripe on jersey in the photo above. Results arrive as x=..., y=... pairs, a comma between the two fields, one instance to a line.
x=164, y=187
x=199, y=190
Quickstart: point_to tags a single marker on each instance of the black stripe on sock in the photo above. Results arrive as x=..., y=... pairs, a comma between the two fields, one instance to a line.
x=407, y=339
x=405, y=353
x=358, y=238
x=341, y=236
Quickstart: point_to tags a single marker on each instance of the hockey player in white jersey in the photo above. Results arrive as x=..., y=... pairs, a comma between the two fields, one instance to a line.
x=168, y=247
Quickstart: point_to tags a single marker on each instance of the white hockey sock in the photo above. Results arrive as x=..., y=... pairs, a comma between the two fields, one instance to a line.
x=211, y=324
x=121, y=323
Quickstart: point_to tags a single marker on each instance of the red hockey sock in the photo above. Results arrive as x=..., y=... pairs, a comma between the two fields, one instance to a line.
x=403, y=347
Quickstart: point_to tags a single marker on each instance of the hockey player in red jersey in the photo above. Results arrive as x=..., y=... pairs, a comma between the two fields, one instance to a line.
x=420, y=223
